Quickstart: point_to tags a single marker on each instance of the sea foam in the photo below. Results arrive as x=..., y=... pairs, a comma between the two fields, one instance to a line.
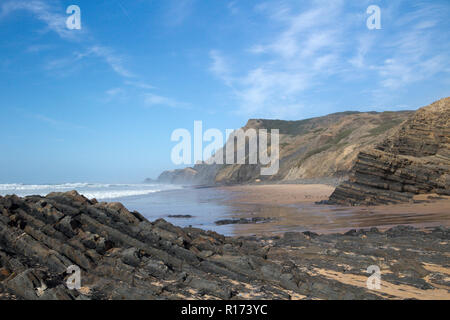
x=99, y=191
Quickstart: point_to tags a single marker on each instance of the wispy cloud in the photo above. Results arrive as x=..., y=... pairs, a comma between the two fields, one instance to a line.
x=232, y=6
x=220, y=67
x=305, y=49
x=57, y=123
x=114, y=92
x=49, y=14
x=413, y=51
x=139, y=84
x=365, y=44
x=107, y=55
x=125, y=12
x=154, y=100
x=178, y=11
x=329, y=40
x=115, y=62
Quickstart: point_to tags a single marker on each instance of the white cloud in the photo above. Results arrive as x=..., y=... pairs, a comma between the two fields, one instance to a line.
x=178, y=11
x=220, y=67
x=232, y=6
x=46, y=13
x=305, y=49
x=133, y=89
x=413, y=52
x=156, y=100
x=55, y=21
x=327, y=43
x=139, y=84
x=365, y=44
x=115, y=92
x=57, y=123
x=114, y=61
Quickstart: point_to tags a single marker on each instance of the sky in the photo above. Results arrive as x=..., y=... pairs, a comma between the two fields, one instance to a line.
x=99, y=104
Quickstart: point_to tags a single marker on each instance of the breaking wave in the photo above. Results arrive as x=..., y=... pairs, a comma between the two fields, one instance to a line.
x=99, y=191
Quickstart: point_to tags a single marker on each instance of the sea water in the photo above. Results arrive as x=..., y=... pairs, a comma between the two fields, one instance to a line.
x=154, y=201
x=99, y=191
x=205, y=206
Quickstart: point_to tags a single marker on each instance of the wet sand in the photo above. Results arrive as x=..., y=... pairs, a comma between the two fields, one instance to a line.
x=280, y=194
x=293, y=208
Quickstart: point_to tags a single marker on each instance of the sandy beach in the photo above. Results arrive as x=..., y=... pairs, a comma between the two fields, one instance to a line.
x=280, y=194
x=293, y=208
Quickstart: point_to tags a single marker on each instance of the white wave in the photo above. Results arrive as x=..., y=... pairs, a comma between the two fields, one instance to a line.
x=20, y=186
x=99, y=191
x=101, y=195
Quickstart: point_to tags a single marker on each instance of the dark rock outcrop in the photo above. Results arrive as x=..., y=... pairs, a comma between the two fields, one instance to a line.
x=180, y=216
x=253, y=220
x=200, y=174
x=123, y=256
x=414, y=160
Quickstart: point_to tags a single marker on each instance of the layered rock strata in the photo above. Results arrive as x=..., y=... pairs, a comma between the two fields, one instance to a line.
x=123, y=256
x=414, y=160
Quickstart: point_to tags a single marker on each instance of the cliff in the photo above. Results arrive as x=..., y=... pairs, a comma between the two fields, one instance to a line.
x=312, y=148
x=414, y=160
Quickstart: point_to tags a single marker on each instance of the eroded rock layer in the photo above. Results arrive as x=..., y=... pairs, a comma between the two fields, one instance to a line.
x=414, y=160
x=124, y=256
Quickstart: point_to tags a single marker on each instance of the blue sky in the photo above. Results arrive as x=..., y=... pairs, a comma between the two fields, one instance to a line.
x=99, y=104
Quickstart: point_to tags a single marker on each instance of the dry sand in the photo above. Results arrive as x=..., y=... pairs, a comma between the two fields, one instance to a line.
x=280, y=194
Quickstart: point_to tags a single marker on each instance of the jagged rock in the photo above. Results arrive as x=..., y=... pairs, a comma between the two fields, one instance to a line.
x=414, y=160
x=123, y=256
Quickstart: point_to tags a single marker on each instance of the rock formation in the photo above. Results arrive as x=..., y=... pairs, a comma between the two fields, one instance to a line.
x=124, y=256
x=414, y=160
x=312, y=148
x=200, y=174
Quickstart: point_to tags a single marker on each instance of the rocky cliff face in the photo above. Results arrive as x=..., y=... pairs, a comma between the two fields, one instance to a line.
x=123, y=256
x=414, y=160
x=312, y=148
x=200, y=174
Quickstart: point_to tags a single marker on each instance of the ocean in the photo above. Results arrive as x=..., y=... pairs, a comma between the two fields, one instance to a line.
x=99, y=191
x=204, y=206
x=154, y=201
